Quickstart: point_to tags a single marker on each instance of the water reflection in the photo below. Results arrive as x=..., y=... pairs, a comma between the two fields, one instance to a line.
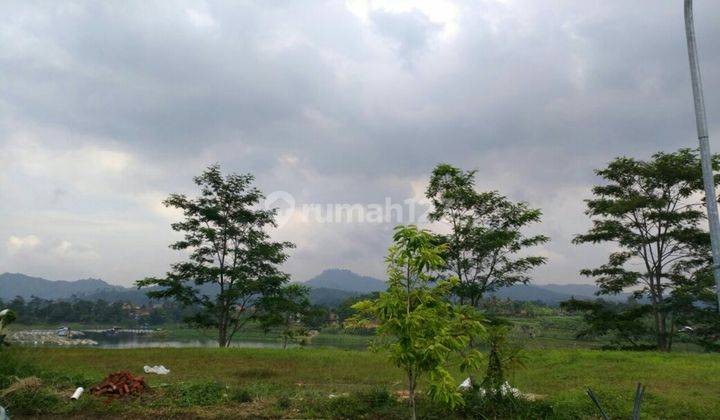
x=135, y=341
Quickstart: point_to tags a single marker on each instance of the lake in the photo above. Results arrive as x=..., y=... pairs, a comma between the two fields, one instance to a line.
x=124, y=340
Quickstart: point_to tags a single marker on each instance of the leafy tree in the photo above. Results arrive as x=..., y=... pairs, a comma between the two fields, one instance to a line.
x=486, y=239
x=695, y=311
x=421, y=327
x=232, y=261
x=651, y=211
x=624, y=323
x=288, y=309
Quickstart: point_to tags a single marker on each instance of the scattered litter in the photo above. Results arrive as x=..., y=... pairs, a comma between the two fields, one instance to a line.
x=160, y=369
x=505, y=390
x=120, y=384
x=78, y=392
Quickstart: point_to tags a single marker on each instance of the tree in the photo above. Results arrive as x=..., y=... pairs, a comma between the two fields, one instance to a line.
x=289, y=309
x=232, y=262
x=421, y=327
x=486, y=236
x=624, y=323
x=651, y=211
x=694, y=305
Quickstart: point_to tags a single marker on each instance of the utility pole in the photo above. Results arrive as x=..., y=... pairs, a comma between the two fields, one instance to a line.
x=705, y=156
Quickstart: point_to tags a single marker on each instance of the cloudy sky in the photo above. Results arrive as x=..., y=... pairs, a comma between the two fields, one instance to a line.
x=106, y=107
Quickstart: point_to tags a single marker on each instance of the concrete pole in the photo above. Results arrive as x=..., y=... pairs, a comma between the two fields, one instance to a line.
x=705, y=156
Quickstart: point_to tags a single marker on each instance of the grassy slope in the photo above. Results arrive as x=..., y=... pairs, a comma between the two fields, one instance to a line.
x=679, y=385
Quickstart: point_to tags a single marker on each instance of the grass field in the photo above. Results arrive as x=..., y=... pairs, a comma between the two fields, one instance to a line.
x=299, y=382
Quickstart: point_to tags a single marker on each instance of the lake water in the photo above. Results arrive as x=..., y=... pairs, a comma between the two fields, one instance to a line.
x=135, y=341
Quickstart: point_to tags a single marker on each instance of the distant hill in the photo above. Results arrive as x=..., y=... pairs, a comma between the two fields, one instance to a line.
x=346, y=280
x=553, y=294
x=329, y=297
x=16, y=284
x=584, y=290
x=330, y=288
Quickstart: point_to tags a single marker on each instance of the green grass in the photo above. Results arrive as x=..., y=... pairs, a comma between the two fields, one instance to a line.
x=298, y=382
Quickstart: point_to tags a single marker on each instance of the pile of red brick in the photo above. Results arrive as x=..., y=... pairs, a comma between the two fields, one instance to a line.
x=120, y=384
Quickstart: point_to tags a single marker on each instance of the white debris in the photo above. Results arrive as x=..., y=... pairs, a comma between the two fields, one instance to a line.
x=78, y=392
x=505, y=389
x=160, y=369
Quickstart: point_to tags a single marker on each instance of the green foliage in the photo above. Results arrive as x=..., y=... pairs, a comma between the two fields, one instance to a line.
x=626, y=324
x=230, y=254
x=650, y=211
x=420, y=327
x=483, y=250
x=508, y=406
x=694, y=304
x=289, y=309
x=241, y=395
x=502, y=357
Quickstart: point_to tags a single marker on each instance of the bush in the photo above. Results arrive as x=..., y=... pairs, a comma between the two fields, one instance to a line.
x=502, y=407
x=241, y=395
x=30, y=402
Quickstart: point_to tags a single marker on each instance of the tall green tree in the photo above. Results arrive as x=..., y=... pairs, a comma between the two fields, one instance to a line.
x=625, y=324
x=232, y=262
x=421, y=329
x=652, y=212
x=486, y=240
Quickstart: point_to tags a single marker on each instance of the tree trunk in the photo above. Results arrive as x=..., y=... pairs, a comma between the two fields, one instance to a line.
x=411, y=394
x=222, y=337
x=660, y=326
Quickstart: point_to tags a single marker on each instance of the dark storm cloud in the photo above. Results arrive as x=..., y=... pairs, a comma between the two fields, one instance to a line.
x=117, y=104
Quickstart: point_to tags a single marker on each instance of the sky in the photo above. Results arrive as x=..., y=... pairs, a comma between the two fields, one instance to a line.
x=108, y=107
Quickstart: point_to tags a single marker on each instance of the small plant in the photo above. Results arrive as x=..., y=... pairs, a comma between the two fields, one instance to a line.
x=422, y=328
x=7, y=317
x=509, y=406
x=501, y=358
x=241, y=395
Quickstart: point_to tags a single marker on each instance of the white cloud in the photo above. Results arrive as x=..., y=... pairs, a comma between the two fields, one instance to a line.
x=17, y=244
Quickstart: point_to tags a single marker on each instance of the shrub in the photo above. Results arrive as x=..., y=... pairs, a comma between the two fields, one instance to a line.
x=241, y=395
x=30, y=401
x=495, y=406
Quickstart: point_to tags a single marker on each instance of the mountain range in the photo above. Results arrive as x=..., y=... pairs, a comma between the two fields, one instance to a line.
x=331, y=287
